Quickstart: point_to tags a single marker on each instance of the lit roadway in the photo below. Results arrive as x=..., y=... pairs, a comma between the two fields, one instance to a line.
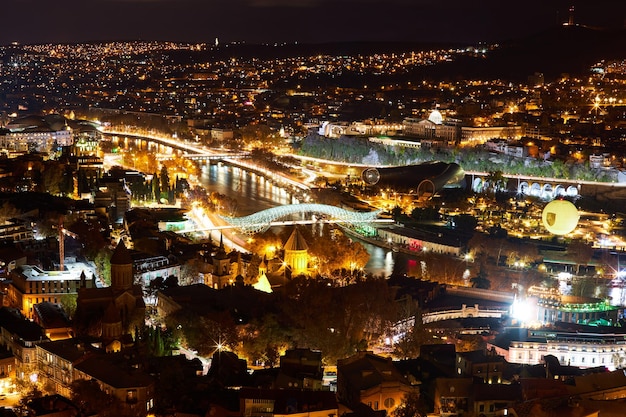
x=172, y=142
x=198, y=215
x=223, y=154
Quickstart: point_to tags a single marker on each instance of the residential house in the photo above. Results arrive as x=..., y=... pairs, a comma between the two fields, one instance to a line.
x=287, y=402
x=20, y=336
x=56, y=361
x=366, y=378
x=452, y=396
x=119, y=377
x=487, y=366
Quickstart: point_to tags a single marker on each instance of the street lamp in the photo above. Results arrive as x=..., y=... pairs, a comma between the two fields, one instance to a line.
x=270, y=251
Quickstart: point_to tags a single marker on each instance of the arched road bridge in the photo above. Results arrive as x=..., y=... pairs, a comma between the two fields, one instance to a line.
x=262, y=220
x=544, y=188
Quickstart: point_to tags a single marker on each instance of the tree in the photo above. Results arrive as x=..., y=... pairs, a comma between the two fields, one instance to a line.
x=52, y=177
x=90, y=235
x=465, y=222
x=103, y=265
x=414, y=333
x=83, y=182
x=618, y=359
x=8, y=211
x=171, y=281
x=66, y=187
x=155, y=285
x=582, y=287
x=156, y=188
x=334, y=251
x=410, y=406
x=469, y=343
x=579, y=252
x=481, y=280
x=265, y=338
x=496, y=181
x=164, y=179
x=140, y=190
x=356, y=256
x=202, y=333
x=68, y=303
x=426, y=213
x=158, y=342
x=88, y=396
x=337, y=320
x=439, y=267
x=189, y=272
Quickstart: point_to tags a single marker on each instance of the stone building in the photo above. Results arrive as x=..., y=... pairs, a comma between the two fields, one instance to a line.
x=112, y=312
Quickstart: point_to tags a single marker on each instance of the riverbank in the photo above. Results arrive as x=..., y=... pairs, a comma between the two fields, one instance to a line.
x=376, y=241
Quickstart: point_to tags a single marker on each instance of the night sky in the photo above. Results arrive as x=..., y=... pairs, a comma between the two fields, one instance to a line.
x=304, y=21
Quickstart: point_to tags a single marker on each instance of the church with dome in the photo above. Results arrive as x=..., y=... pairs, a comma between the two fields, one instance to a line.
x=112, y=313
x=274, y=272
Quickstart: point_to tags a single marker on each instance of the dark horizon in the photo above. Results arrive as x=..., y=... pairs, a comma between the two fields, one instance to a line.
x=294, y=21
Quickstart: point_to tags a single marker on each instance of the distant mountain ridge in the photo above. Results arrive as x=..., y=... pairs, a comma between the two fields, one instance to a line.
x=562, y=49
x=566, y=49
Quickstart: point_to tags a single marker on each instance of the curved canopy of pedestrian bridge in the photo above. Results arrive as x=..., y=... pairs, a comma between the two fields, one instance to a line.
x=262, y=220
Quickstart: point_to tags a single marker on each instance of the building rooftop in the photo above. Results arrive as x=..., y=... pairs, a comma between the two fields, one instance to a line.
x=296, y=242
x=288, y=401
x=115, y=371
x=480, y=356
x=121, y=255
x=70, y=349
x=51, y=316
x=365, y=370
x=71, y=273
x=13, y=321
x=442, y=236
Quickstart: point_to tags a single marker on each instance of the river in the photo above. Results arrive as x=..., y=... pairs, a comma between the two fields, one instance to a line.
x=251, y=191
x=254, y=193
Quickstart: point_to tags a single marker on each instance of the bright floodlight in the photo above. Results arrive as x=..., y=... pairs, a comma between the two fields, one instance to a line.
x=521, y=311
x=560, y=217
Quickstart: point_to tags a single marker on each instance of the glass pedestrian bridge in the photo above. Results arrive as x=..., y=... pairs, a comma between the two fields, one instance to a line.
x=263, y=220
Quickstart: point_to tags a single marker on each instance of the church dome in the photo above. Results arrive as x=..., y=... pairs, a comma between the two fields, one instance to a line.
x=296, y=242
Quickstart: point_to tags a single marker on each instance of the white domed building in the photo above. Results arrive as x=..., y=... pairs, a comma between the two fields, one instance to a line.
x=436, y=117
x=434, y=129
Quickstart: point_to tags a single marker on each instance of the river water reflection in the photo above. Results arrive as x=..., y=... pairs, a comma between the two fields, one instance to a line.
x=254, y=193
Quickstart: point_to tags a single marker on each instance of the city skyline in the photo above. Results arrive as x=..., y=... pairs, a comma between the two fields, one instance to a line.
x=303, y=21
